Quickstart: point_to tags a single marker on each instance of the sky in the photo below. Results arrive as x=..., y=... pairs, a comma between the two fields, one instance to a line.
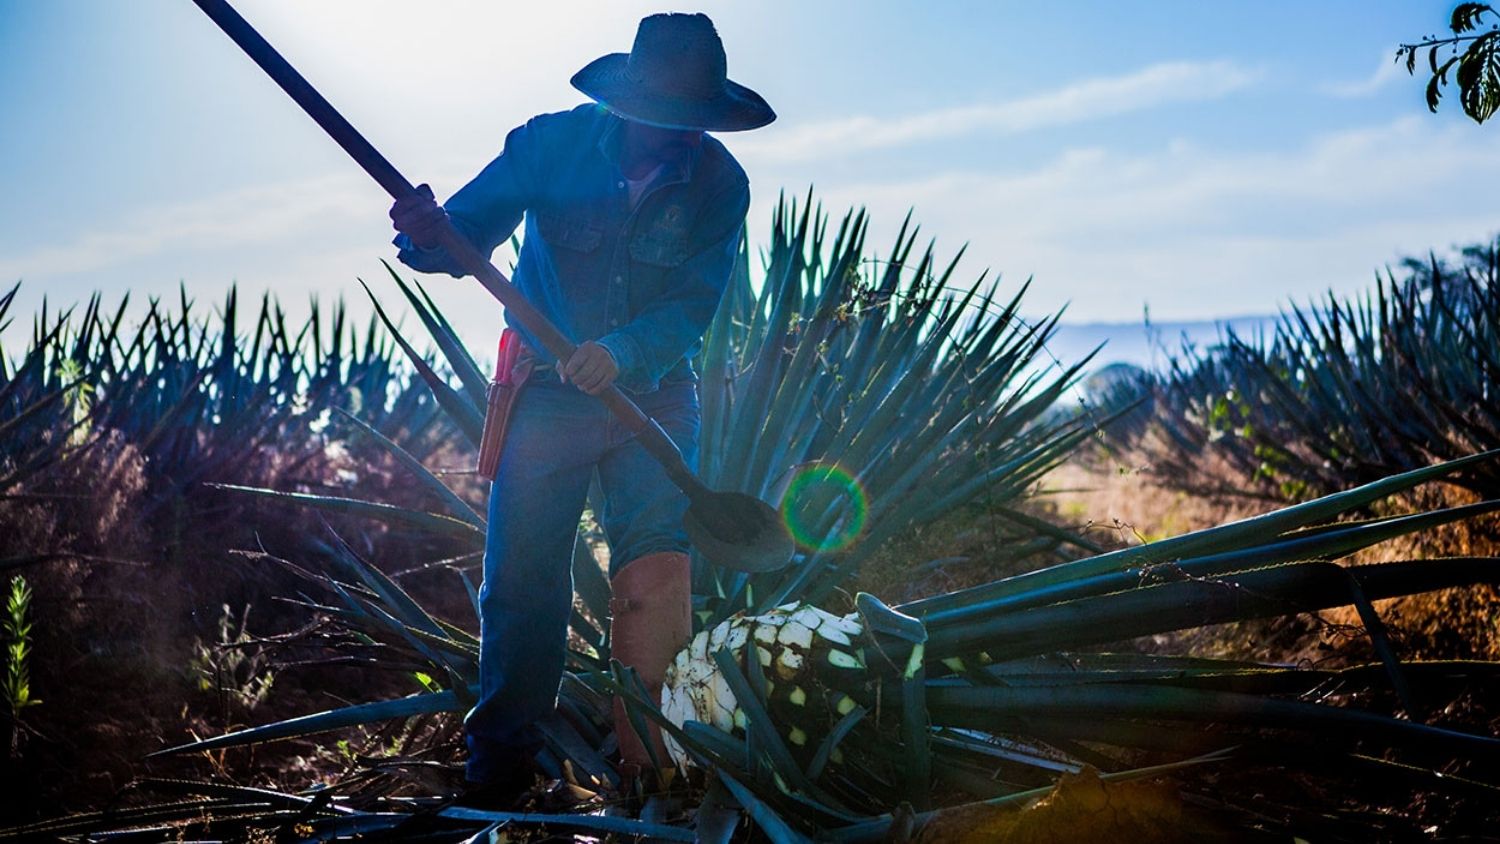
x=1200, y=160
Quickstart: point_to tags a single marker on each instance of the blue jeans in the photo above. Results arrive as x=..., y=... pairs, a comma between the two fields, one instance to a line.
x=558, y=437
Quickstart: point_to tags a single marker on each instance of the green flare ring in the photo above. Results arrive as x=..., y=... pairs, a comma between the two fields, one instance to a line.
x=839, y=485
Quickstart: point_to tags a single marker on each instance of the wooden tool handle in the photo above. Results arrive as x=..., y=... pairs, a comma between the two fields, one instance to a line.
x=463, y=252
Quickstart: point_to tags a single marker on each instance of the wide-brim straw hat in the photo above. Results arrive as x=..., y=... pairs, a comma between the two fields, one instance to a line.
x=675, y=77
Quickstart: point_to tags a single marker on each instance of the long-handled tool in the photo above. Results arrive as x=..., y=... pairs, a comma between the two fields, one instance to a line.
x=731, y=529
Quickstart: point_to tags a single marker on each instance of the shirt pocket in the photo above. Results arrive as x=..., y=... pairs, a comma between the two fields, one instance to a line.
x=659, y=249
x=579, y=234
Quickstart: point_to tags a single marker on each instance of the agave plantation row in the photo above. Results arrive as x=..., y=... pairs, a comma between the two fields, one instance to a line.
x=1348, y=391
x=195, y=396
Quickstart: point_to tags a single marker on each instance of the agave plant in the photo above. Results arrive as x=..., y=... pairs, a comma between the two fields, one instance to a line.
x=868, y=397
x=1350, y=390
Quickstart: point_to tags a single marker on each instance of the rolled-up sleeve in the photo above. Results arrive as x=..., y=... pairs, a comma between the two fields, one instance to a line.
x=487, y=209
x=664, y=331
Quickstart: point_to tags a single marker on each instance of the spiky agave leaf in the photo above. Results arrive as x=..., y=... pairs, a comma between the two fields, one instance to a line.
x=333, y=719
x=466, y=412
x=457, y=507
x=434, y=522
x=1233, y=538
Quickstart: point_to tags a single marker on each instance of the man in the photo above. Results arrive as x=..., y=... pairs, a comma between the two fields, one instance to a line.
x=633, y=219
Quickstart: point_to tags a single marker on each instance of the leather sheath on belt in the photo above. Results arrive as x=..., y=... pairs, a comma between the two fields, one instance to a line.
x=513, y=366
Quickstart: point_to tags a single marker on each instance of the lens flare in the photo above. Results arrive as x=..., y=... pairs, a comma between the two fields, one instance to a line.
x=825, y=508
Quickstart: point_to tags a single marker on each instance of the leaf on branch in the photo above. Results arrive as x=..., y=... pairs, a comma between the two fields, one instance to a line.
x=1442, y=72
x=1467, y=16
x=1478, y=78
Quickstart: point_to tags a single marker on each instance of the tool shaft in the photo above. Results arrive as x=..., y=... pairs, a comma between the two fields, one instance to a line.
x=450, y=238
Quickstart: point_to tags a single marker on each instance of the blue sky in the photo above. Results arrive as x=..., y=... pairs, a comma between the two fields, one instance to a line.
x=1205, y=159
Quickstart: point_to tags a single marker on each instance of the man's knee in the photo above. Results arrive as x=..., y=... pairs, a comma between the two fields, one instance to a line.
x=637, y=544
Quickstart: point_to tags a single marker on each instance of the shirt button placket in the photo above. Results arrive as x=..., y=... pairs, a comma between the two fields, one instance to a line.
x=619, y=301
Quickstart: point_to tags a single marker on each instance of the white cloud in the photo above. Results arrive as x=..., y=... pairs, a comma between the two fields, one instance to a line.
x=294, y=239
x=296, y=214
x=1202, y=233
x=1387, y=70
x=242, y=217
x=1091, y=99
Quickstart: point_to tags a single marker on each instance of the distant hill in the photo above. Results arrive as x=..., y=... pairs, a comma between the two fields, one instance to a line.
x=1137, y=344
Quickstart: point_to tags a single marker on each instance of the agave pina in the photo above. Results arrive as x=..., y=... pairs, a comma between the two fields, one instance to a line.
x=792, y=642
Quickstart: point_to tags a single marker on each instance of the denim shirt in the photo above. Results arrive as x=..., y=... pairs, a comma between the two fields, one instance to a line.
x=643, y=282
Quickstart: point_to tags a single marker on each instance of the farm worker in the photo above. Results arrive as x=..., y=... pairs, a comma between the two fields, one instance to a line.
x=633, y=218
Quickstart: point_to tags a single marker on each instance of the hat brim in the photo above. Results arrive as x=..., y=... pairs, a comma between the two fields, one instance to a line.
x=734, y=109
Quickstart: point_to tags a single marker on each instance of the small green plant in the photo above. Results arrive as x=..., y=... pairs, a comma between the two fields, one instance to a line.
x=17, y=679
x=231, y=668
x=78, y=396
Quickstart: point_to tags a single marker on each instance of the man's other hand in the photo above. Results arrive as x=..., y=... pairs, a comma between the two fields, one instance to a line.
x=419, y=217
x=591, y=368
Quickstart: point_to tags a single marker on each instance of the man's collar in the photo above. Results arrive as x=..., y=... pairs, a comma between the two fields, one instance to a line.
x=614, y=135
